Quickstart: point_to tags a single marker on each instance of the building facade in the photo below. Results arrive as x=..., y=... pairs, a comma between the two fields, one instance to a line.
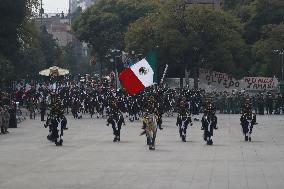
x=84, y=4
x=59, y=27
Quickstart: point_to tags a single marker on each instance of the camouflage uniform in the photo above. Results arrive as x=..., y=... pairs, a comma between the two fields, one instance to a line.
x=56, y=122
x=32, y=109
x=5, y=120
x=150, y=120
x=278, y=104
x=223, y=103
x=1, y=119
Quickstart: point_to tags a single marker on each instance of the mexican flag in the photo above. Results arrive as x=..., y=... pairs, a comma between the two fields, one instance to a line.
x=139, y=75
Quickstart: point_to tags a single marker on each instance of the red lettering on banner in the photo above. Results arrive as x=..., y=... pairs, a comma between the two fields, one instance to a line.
x=225, y=81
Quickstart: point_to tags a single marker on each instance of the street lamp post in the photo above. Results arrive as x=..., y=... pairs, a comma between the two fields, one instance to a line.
x=116, y=73
x=115, y=55
x=282, y=66
x=281, y=58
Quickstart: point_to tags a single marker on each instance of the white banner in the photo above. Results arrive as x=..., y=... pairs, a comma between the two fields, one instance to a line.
x=260, y=83
x=172, y=82
x=223, y=81
x=218, y=80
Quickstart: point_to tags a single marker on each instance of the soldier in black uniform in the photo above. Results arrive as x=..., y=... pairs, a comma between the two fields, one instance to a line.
x=209, y=121
x=183, y=119
x=115, y=119
x=260, y=104
x=269, y=103
x=159, y=113
x=56, y=122
x=248, y=119
x=32, y=108
x=42, y=107
x=195, y=105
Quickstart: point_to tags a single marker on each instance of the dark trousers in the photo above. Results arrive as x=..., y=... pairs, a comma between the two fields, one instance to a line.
x=42, y=113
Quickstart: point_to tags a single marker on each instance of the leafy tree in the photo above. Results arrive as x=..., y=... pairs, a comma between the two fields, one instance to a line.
x=40, y=51
x=192, y=38
x=12, y=15
x=17, y=34
x=267, y=12
x=30, y=62
x=49, y=47
x=103, y=25
x=233, y=4
x=69, y=59
x=268, y=63
x=5, y=69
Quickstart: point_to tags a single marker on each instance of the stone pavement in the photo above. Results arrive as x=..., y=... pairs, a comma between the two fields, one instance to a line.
x=89, y=159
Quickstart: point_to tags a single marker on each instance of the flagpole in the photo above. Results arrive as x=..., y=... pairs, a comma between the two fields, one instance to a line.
x=164, y=74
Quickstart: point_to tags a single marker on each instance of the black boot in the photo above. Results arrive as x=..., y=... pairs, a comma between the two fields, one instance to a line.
x=118, y=138
x=151, y=147
x=148, y=141
x=2, y=130
x=59, y=143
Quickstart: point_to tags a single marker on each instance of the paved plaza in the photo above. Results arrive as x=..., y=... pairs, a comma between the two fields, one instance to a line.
x=89, y=159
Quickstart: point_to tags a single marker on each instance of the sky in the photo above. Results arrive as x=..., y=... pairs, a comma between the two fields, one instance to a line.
x=55, y=6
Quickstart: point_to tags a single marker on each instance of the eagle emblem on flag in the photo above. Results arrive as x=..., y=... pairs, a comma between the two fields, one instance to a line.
x=143, y=71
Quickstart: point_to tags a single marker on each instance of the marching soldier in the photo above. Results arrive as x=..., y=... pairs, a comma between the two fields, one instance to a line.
x=116, y=120
x=195, y=105
x=269, y=103
x=56, y=122
x=183, y=120
x=159, y=113
x=42, y=107
x=248, y=119
x=32, y=107
x=254, y=103
x=75, y=108
x=278, y=104
x=150, y=120
x=209, y=121
x=260, y=104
